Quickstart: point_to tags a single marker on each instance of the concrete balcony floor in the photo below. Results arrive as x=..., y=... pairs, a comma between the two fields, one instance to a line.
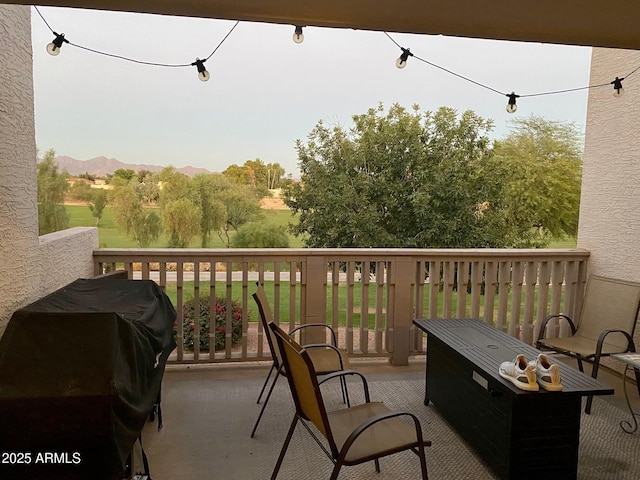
x=209, y=412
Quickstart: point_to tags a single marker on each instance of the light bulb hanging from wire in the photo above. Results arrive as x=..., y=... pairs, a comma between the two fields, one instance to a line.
x=401, y=61
x=298, y=37
x=54, y=47
x=511, y=106
x=203, y=75
x=618, y=91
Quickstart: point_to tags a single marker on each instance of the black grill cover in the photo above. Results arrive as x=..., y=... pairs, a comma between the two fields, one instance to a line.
x=80, y=371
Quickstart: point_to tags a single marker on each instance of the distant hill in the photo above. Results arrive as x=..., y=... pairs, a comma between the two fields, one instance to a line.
x=101, y=166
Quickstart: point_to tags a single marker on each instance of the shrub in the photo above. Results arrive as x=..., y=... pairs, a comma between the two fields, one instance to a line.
x=220, y=312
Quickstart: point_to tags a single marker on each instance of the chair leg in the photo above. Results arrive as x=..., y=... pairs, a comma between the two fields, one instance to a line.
x=637, y=372
x=336, y=471
x=594, y=374
x=423, y=461
x=377, y=464
x=266, y=400
x=285, y=445
x=266, y=380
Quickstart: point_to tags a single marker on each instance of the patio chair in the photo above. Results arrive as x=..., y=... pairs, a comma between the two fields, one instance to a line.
x=355, y=434
x=327, y=358
x=605, y=326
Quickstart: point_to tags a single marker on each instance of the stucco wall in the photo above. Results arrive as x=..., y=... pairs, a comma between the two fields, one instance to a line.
x=31, y=266
x=610, y=204
x=18, y=227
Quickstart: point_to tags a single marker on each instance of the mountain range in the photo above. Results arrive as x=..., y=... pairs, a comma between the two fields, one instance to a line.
x=101, y=166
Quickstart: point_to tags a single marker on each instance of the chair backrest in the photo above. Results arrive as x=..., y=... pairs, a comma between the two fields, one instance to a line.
x=266, y=317
x=609, y=304
x=303, y=383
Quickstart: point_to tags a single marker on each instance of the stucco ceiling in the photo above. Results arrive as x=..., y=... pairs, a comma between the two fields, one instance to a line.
x=572, y=22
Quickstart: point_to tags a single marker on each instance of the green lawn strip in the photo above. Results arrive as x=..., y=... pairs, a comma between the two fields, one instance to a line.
x=110, y=237
x=188, y=293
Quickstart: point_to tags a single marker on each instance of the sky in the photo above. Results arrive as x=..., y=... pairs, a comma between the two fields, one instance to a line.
x=266, y=91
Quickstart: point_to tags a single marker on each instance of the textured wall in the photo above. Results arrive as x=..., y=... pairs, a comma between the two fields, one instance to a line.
x=31, y=267
x=18, y=207
x=65, y=256
x=610, y=204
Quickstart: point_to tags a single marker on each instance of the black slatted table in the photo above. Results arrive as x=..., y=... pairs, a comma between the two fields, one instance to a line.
x=519, y=434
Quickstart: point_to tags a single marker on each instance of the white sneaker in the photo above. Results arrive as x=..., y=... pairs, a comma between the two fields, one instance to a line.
x=521, y=373
x=548, y=373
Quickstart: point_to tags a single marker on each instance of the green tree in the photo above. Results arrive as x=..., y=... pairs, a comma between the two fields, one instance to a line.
x=52, y=187
x=256, y=174
x=173, y=186
x=80, y=191
x=141, y=224
x=204, y=190
x=396, y=179
x=260, y=235
x=241, y=206
x=539, y=165
x=125, y=173
x=237, y=174
x=98, y=200
x=148, y=188
x=182, y=222
x=274, y=175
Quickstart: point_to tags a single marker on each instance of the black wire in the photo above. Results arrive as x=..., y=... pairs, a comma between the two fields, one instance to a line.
x=106, y=54
x=487, y=87
x=222, y=41
x=458, y=75
x=554, y=92
x=44, y=19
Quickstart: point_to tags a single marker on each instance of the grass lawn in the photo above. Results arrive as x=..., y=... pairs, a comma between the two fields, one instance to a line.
x=188, y=293
x=110, y=237
x=570, y=242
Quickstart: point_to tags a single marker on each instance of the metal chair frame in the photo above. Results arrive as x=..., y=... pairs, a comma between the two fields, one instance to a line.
x=277, y=366
x=587, y=321
x=310, y=409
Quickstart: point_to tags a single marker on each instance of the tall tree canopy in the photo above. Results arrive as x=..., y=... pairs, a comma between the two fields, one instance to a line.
x=422, y=179
x=52, y=187
x=256, y=173
x=141, y=224
x=396, y=179
x=539, y=164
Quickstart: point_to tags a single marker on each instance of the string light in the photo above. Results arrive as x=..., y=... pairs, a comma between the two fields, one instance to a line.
x=54, y=47
x=202, y=71
x=618, y=91
x=401, y=61
x=511, y=106
x=203, y=74
x=298, y=37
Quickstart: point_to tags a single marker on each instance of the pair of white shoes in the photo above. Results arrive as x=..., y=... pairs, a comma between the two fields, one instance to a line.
x=527, y=375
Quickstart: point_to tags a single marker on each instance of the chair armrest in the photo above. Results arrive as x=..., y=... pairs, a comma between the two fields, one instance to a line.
x=381, y=418
x=543, y=326
x=630, y=344
x=329, y=346
x=300, y=327
x=344, y=373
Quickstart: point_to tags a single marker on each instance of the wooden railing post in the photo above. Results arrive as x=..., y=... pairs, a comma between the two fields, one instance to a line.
x=509, y=289
x=315, y=301
x=400, y=300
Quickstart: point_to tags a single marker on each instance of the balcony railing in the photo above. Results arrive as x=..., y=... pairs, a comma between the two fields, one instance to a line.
x=369, y=296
